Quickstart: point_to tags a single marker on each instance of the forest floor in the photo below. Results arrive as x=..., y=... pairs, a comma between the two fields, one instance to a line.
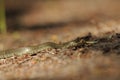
x=99, y=61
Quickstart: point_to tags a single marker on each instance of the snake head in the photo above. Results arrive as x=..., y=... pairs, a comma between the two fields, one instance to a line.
x=79, y=41
x=76, y=40
x=71, y=44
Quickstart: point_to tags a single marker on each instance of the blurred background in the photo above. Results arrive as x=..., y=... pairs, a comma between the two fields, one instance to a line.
x=47, y=13
x=30, y=22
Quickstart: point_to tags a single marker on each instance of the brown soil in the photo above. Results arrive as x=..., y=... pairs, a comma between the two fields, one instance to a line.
x=91, y=61
x=107, y=44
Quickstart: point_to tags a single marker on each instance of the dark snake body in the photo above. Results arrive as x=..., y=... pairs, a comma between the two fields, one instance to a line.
x=35, y=49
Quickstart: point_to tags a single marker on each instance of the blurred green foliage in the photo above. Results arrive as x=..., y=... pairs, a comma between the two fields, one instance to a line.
x=2, y=17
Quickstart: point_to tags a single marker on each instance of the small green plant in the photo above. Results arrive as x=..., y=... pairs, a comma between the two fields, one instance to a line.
x=2, y=17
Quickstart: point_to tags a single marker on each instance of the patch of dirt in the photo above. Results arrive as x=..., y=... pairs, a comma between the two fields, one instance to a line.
x=97, y=57
x=109, y=44
x=86, y=61
x=106, y=44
